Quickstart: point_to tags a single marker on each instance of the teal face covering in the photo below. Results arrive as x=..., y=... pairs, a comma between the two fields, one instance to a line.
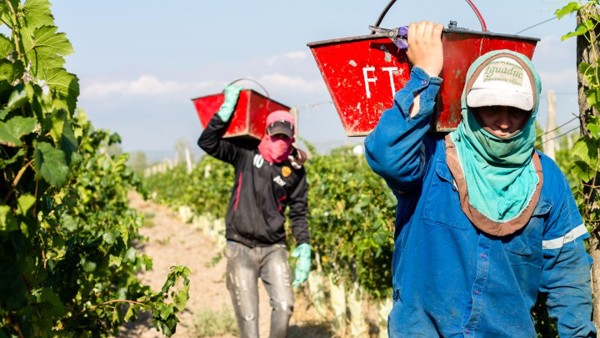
x=499, y=173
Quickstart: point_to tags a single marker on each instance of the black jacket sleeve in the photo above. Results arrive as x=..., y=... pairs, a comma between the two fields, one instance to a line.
x=212, y=142
x=299, y=209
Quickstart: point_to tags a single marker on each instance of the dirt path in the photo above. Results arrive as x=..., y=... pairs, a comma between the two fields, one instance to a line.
x=172, y=242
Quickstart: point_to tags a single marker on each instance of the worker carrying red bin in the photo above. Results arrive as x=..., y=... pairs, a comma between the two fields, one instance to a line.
x=485, y=223
x=269, y=178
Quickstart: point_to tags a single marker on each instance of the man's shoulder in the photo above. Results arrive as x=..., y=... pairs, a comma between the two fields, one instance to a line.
x=549, y=166
x=555, y=179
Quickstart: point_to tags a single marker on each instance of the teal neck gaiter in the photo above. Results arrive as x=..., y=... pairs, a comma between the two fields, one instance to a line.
x=499, y=173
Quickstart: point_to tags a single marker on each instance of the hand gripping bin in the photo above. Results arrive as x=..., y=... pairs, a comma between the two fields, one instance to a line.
x=362, y=73
x=248, y=122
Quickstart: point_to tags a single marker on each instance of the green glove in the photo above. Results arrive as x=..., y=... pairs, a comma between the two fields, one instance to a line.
x=302, y=252
x=232, y=93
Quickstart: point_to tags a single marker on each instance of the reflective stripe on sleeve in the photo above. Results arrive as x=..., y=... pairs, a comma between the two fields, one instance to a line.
x=568, y=237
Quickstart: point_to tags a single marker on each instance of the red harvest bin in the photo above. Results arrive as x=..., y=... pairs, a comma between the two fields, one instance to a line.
x=249, y=118
x=362, y=73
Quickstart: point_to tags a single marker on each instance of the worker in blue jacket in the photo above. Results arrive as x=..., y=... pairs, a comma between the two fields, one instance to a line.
x=485, y=222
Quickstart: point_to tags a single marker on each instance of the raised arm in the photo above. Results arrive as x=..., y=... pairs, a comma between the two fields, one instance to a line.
x=395, y=149
x=211, y=139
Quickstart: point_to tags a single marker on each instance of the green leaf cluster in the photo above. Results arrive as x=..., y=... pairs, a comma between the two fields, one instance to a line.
x=586, y=151
x=67, y=235
x=206, y=189
x=352, y=214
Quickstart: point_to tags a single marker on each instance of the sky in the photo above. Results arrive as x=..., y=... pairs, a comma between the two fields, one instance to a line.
x=140, y=62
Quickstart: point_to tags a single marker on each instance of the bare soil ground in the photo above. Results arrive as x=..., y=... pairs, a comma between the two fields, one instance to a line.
x=173, y=242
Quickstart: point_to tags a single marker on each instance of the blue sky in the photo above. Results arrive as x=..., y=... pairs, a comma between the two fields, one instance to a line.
x=140, y=62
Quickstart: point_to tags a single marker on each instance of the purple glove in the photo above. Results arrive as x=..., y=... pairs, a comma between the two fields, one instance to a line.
x=402, y=38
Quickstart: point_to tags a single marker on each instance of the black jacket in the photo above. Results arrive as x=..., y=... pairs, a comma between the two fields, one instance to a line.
x=261, y=192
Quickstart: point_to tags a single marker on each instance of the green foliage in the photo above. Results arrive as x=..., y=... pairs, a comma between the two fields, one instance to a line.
x=565, y=158
x=352, y=214
x=67, y=234
x=586, y=151
x=205, y=190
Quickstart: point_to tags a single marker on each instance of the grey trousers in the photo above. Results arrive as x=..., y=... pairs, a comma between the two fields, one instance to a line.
x=244, y=267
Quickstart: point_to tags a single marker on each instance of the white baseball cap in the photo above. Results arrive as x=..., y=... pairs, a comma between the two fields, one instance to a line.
x=502, y=81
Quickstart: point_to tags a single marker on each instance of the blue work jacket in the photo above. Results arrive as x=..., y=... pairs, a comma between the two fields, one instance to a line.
x=449, y=278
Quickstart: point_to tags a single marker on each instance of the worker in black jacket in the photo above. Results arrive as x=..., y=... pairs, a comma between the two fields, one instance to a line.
x=267, y=180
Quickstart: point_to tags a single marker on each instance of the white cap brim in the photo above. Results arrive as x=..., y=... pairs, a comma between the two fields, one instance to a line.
x=494, y=97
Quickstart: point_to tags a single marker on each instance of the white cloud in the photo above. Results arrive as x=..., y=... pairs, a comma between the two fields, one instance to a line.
x=552, y=48
x=148, y=86
x=292, y=83
x=556, y=63
x=287, y=57
x=292, y=76
x=562, y=79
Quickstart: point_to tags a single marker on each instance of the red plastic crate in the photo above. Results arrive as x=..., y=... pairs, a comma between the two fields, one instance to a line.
x=362, y=73
x=249, y=118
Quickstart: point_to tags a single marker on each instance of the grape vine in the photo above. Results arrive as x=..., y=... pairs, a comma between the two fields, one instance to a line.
x=67, y=235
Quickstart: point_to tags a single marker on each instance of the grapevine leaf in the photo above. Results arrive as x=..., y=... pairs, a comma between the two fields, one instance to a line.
x=583, y=67
x=6, y=46
x=114, y=139
x=62, y=133
x=109, y=237
x=66, y=86
x=46, y=50
x=7, y=219
x=130, y=314
x=581, y=29
x=130, y=255
x=25, y=203
x=5, y=13
x=58, y=123
x=567, y=9
x=37, y=13
x=581, y=150
x=9, y=71
x=180, y=299
x=17, y=157
x=68, y=223
x=17, y=98
x=50, y=164
x=89, y=266
x=594, y=129
x=583, y=171
x=49, y=43
x=124, y=232
x=115, y=260
x=593, y=97
x=12, y=131
x=57, y=308
x=68, y=141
